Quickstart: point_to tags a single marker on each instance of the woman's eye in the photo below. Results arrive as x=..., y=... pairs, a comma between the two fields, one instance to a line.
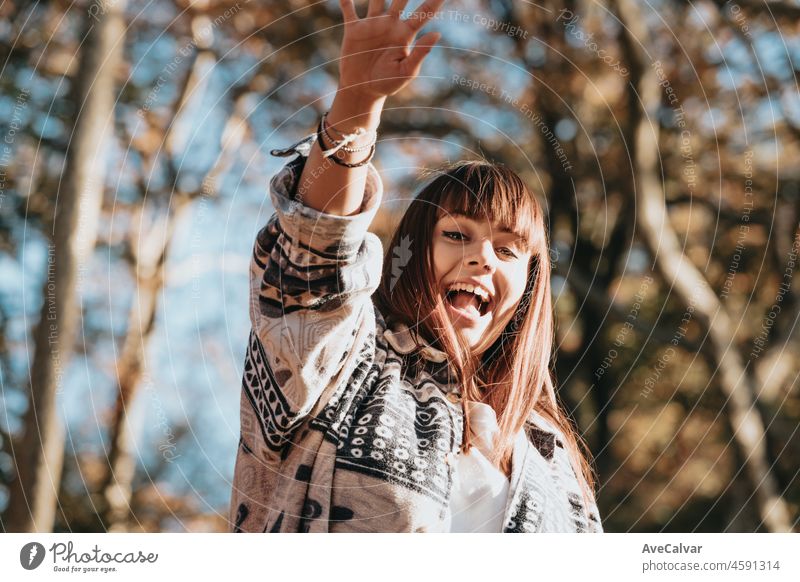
x=447, y=234
x=458, y=236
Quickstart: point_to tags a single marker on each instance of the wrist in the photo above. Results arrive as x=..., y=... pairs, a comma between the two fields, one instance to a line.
x=352, y=109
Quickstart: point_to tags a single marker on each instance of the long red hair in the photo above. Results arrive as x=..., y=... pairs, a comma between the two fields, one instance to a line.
x=514, y=375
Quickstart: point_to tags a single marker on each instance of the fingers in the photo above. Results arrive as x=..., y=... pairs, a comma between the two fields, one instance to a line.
x=424, y=13
x=375, y=8
x=348, y=11
x=397, y=7
x=421, y=49
x=421, y=15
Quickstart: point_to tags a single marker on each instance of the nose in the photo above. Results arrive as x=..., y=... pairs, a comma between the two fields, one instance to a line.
x=482, y=255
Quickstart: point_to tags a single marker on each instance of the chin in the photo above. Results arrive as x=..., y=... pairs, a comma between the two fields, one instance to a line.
x=475, y=336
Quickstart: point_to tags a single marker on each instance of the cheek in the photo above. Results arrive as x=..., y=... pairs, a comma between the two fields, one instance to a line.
x=444, y=260
x=438, y=267
x=519, y=289
x=514, y=289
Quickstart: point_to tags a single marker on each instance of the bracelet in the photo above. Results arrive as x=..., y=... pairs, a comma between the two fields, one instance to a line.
x=359, y=131
x=342, y=135
x=347, y=149
x=331, y=152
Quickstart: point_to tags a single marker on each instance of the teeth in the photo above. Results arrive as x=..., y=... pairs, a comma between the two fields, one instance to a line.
x=480, y=292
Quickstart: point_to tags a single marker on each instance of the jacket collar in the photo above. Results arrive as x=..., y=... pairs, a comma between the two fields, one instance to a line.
x=404, y=341
x=431, y=360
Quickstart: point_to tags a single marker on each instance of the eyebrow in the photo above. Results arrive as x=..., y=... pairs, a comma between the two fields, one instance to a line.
x=503, y=229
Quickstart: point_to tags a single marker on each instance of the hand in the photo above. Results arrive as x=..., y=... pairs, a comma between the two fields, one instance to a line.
x=377, y=59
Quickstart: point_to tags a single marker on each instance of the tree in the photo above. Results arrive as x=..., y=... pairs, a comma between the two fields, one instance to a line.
x=39, y=454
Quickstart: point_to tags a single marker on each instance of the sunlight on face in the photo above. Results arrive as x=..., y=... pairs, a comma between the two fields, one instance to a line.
x=493, y=261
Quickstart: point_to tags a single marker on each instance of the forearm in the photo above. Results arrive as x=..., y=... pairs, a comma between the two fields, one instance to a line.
x=330, y=187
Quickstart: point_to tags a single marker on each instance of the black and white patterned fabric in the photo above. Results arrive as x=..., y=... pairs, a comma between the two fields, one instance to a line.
x=339, y=433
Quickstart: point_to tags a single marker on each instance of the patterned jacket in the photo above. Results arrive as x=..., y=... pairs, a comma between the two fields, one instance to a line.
x=340, y=432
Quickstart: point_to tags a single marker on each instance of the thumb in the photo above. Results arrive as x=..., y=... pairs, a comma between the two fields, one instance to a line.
x=424, y=45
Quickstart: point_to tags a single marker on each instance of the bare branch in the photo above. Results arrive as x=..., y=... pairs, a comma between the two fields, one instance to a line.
x=685, y=278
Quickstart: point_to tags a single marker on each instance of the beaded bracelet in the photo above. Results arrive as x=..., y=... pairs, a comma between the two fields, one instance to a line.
x=325, y=130
x=331, y=153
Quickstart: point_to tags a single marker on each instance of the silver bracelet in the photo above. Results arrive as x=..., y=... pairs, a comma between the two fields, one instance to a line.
x=346, y=138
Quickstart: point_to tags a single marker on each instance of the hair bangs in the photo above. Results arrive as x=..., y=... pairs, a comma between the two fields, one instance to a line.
x=482, y=191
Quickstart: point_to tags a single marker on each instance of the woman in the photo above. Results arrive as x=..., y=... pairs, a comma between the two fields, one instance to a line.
x=419, y=398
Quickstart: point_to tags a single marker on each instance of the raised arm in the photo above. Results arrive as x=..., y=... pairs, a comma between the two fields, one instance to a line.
x=315, y=266
x=377, y=60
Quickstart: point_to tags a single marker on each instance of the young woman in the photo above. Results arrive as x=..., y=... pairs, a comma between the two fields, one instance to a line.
x=411, y=392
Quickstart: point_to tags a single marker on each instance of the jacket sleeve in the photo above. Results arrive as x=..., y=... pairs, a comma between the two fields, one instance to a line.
x=550, y=442
x=312, y=276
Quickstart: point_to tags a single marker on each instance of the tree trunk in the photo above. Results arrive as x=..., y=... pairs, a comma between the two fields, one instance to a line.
x=686, y=279
x=149, y=272
x=39, y=454
x=150, y=254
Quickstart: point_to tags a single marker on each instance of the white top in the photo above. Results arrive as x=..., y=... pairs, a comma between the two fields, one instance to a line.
x=480, y=490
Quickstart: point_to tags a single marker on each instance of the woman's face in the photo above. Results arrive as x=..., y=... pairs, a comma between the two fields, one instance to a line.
x=481, y=254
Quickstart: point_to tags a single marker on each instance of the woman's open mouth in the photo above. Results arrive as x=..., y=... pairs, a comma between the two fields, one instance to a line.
x=467, y=305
